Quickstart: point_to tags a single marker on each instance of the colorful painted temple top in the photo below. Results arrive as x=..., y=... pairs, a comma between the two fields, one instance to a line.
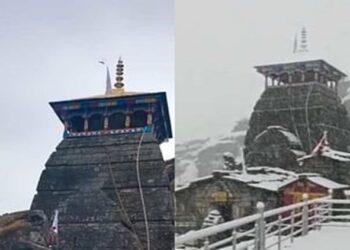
x=116, y=112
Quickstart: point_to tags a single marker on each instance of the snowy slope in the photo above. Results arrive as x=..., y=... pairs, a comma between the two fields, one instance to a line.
x=198, y=158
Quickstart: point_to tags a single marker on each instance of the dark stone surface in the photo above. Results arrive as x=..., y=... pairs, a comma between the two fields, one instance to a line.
x=95, y=214
x=25, y=230
x=301, y=108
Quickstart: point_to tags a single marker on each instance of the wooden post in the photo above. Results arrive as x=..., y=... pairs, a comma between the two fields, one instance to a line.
x=322, y=79
x=256, y=236
x=127, y=121
x=206, y=244
x=318, y=215
x=86, y=124
x=149, y=119
x=305, y=215
x=105, y=123
x=292, y=226
x=261, y=226
x=336, y=86
x=330, y=207
x=279, y=244
x=316, y=76
x=234, y=239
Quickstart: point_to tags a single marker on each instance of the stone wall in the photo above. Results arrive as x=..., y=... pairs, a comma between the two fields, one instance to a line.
x=304, y=109
x=194, y=202
x=101, y=212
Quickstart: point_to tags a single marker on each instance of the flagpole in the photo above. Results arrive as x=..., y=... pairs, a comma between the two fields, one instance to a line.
x=295, y=45
x=108, y=90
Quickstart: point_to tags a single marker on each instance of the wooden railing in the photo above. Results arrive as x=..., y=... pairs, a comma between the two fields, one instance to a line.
x=269, y=229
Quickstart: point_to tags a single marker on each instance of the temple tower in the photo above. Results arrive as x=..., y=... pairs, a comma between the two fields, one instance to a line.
x=301, y=97
x=107, y=176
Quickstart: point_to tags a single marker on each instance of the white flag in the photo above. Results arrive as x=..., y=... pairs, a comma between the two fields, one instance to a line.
x=321, y=146
x=54, y=226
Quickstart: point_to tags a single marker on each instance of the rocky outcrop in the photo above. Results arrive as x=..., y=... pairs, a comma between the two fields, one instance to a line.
x=93, y=182
x=25, y=230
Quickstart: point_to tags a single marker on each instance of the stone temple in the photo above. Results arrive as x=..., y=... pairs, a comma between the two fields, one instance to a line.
x=107, y=177
x=300, y=101
x=298, y=112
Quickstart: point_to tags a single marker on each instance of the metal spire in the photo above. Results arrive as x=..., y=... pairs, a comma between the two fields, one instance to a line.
x=120, y=72
x=303, y=40
x=302, y=46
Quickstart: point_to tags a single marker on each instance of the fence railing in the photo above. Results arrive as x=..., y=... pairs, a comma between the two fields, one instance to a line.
x=269, y=229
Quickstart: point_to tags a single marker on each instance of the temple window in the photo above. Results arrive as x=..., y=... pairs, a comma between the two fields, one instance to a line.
x=284, y=77
x=96, y=122
x=297, y=77
x=117, y=121
x=138, y=119
x=309, y=76
x=76, y=124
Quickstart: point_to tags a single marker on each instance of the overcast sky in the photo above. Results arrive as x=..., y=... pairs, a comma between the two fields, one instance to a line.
x=49, y=52
x=219, y=42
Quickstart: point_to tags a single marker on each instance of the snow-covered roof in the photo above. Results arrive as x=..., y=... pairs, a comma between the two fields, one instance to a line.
x=324, y=182
x=298, y=153
x=207, y=177
x=336, y=155
x=269, y=178
x=330, y=153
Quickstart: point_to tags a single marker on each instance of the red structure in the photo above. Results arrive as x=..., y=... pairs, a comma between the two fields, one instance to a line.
x=315, y=187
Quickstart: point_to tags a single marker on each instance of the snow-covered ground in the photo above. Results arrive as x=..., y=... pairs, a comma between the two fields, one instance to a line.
x=334, y=236
x=328, y=238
